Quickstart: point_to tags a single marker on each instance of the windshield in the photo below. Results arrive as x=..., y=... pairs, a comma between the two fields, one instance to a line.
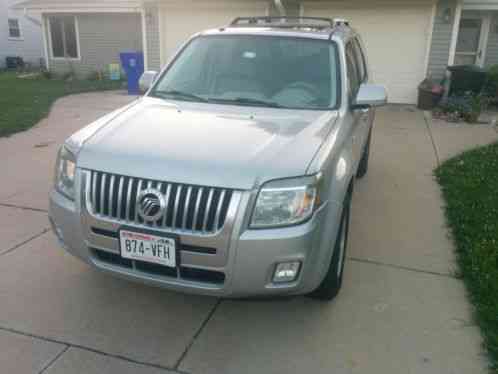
x=268, y=71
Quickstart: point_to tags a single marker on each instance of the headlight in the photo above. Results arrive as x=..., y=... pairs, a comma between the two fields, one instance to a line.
x=285, y=202
x=65, y=171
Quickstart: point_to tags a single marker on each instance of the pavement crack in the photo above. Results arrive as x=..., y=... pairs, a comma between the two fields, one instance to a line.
x=85, y=348
x=401, y=267
x=23, y=207
x=25, y=242
x=428, y=121
x=197, y=333
x=52, y=362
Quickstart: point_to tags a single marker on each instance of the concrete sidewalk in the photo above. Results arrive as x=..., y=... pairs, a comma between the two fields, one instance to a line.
x=401, y=309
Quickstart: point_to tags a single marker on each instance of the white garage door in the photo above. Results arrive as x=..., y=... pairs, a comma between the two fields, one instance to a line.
x=180, y=21
x=395, y=33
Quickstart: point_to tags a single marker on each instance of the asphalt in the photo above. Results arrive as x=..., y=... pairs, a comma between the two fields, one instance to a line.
x=401, y=310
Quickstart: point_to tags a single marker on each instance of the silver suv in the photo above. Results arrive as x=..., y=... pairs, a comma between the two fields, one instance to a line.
x=233, y=175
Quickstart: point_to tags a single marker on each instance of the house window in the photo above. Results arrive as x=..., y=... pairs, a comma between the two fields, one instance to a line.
x=63, y=37
x=14, y=29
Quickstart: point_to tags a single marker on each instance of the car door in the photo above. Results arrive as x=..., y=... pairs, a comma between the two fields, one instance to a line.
x=357, y=115
x=367, y=115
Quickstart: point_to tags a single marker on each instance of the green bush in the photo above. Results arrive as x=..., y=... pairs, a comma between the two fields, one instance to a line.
x=492, y=86
x=467, y=107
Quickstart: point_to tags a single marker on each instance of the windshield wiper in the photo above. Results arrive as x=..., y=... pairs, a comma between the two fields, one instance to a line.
x=182, y=94
x=247, y=101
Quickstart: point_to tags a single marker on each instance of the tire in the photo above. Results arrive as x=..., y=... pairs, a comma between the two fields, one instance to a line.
x=331, y=284
x=363, y=166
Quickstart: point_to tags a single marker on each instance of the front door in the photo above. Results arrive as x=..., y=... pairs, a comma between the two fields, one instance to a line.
x=472, y=39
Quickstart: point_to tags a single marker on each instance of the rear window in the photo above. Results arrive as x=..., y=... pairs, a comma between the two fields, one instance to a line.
x=285, y=72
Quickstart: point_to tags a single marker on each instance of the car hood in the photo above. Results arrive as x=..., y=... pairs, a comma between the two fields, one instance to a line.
x=204, y=144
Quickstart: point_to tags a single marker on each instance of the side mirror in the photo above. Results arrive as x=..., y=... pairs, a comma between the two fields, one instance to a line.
x=146, y=80
x=370, y=95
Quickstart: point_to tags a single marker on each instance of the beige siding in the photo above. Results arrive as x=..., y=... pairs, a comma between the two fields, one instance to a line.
x=441, y=40
x=492, y=49
x=102, y=37
x=292, y=8
x=152, y=32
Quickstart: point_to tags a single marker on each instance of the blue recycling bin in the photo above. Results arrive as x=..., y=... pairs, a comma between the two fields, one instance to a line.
x=133, y=65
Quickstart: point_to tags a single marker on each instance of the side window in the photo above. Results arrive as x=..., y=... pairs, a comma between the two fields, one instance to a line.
x=360, y=62
x=353, y=78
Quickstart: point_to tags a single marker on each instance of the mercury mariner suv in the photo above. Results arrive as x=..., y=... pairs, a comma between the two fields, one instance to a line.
x=233, y=175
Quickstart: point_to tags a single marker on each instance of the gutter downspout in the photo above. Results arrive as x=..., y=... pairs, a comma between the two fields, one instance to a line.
x=280, y=7
x=28, y=17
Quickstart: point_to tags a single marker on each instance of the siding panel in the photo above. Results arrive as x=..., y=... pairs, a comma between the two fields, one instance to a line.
x=441, y=40
x=292, y=8
x=492, y=48
x=152, y=31
x=102, y=37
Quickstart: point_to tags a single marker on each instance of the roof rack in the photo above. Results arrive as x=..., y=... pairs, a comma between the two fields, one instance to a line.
x=283, y=22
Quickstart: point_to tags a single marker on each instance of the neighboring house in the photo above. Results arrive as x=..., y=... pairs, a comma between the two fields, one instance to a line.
x=20, y=35
x=406, y=40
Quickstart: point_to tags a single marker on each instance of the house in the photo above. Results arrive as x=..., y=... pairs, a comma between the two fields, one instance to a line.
x=406, y=40
x=20, y=35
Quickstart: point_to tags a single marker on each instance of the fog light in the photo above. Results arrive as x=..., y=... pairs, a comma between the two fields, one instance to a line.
x=286, y=272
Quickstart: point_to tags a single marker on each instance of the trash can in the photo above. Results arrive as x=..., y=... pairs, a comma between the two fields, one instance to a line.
x=465, y=78
x=14, y=62
x=429, y=95
x=133, y=65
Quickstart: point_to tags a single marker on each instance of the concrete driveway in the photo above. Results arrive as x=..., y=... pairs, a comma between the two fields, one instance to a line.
x=401, y=309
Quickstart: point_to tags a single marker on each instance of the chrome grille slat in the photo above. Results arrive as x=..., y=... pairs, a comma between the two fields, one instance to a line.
x=177, y=201
x=102, y=193
x=160, y=188
x=196, y=209
x=168, y=191
x=208, y=207
x=111, y=196
x=218, y=209
x=94, y=192
x=120, y=196
x=139, y=188
x=185, y=209
x=128, y=199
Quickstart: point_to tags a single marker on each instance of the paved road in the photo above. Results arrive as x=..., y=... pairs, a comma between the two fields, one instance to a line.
x=401, y=309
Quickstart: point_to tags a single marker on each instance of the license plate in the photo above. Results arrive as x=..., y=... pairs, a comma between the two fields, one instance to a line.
x=147, y=247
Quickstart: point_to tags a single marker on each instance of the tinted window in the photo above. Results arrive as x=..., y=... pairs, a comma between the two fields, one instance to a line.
x=242, y=70
x=353, y=78
x=360, y=61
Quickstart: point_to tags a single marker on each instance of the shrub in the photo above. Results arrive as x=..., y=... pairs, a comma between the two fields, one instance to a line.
x=492, y=86
x=467, y=107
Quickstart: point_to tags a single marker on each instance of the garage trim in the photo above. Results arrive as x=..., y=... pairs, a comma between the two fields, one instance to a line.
x=181, y=5
x=418, y=32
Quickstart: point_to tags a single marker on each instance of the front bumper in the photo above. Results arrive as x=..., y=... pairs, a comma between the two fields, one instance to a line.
x=243, y=267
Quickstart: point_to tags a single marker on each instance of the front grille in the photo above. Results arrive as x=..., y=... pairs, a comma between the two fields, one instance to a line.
x=187, y=273
x=183, y=247
x=191, y=208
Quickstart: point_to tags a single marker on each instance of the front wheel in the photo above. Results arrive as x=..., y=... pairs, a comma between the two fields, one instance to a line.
x=331, y=285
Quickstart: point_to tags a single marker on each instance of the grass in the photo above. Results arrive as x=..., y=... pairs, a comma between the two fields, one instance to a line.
x=470, y=188
x=23, y=102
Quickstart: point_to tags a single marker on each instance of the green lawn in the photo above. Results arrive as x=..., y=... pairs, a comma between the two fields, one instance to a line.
x=23, y=102
x=470, y=188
